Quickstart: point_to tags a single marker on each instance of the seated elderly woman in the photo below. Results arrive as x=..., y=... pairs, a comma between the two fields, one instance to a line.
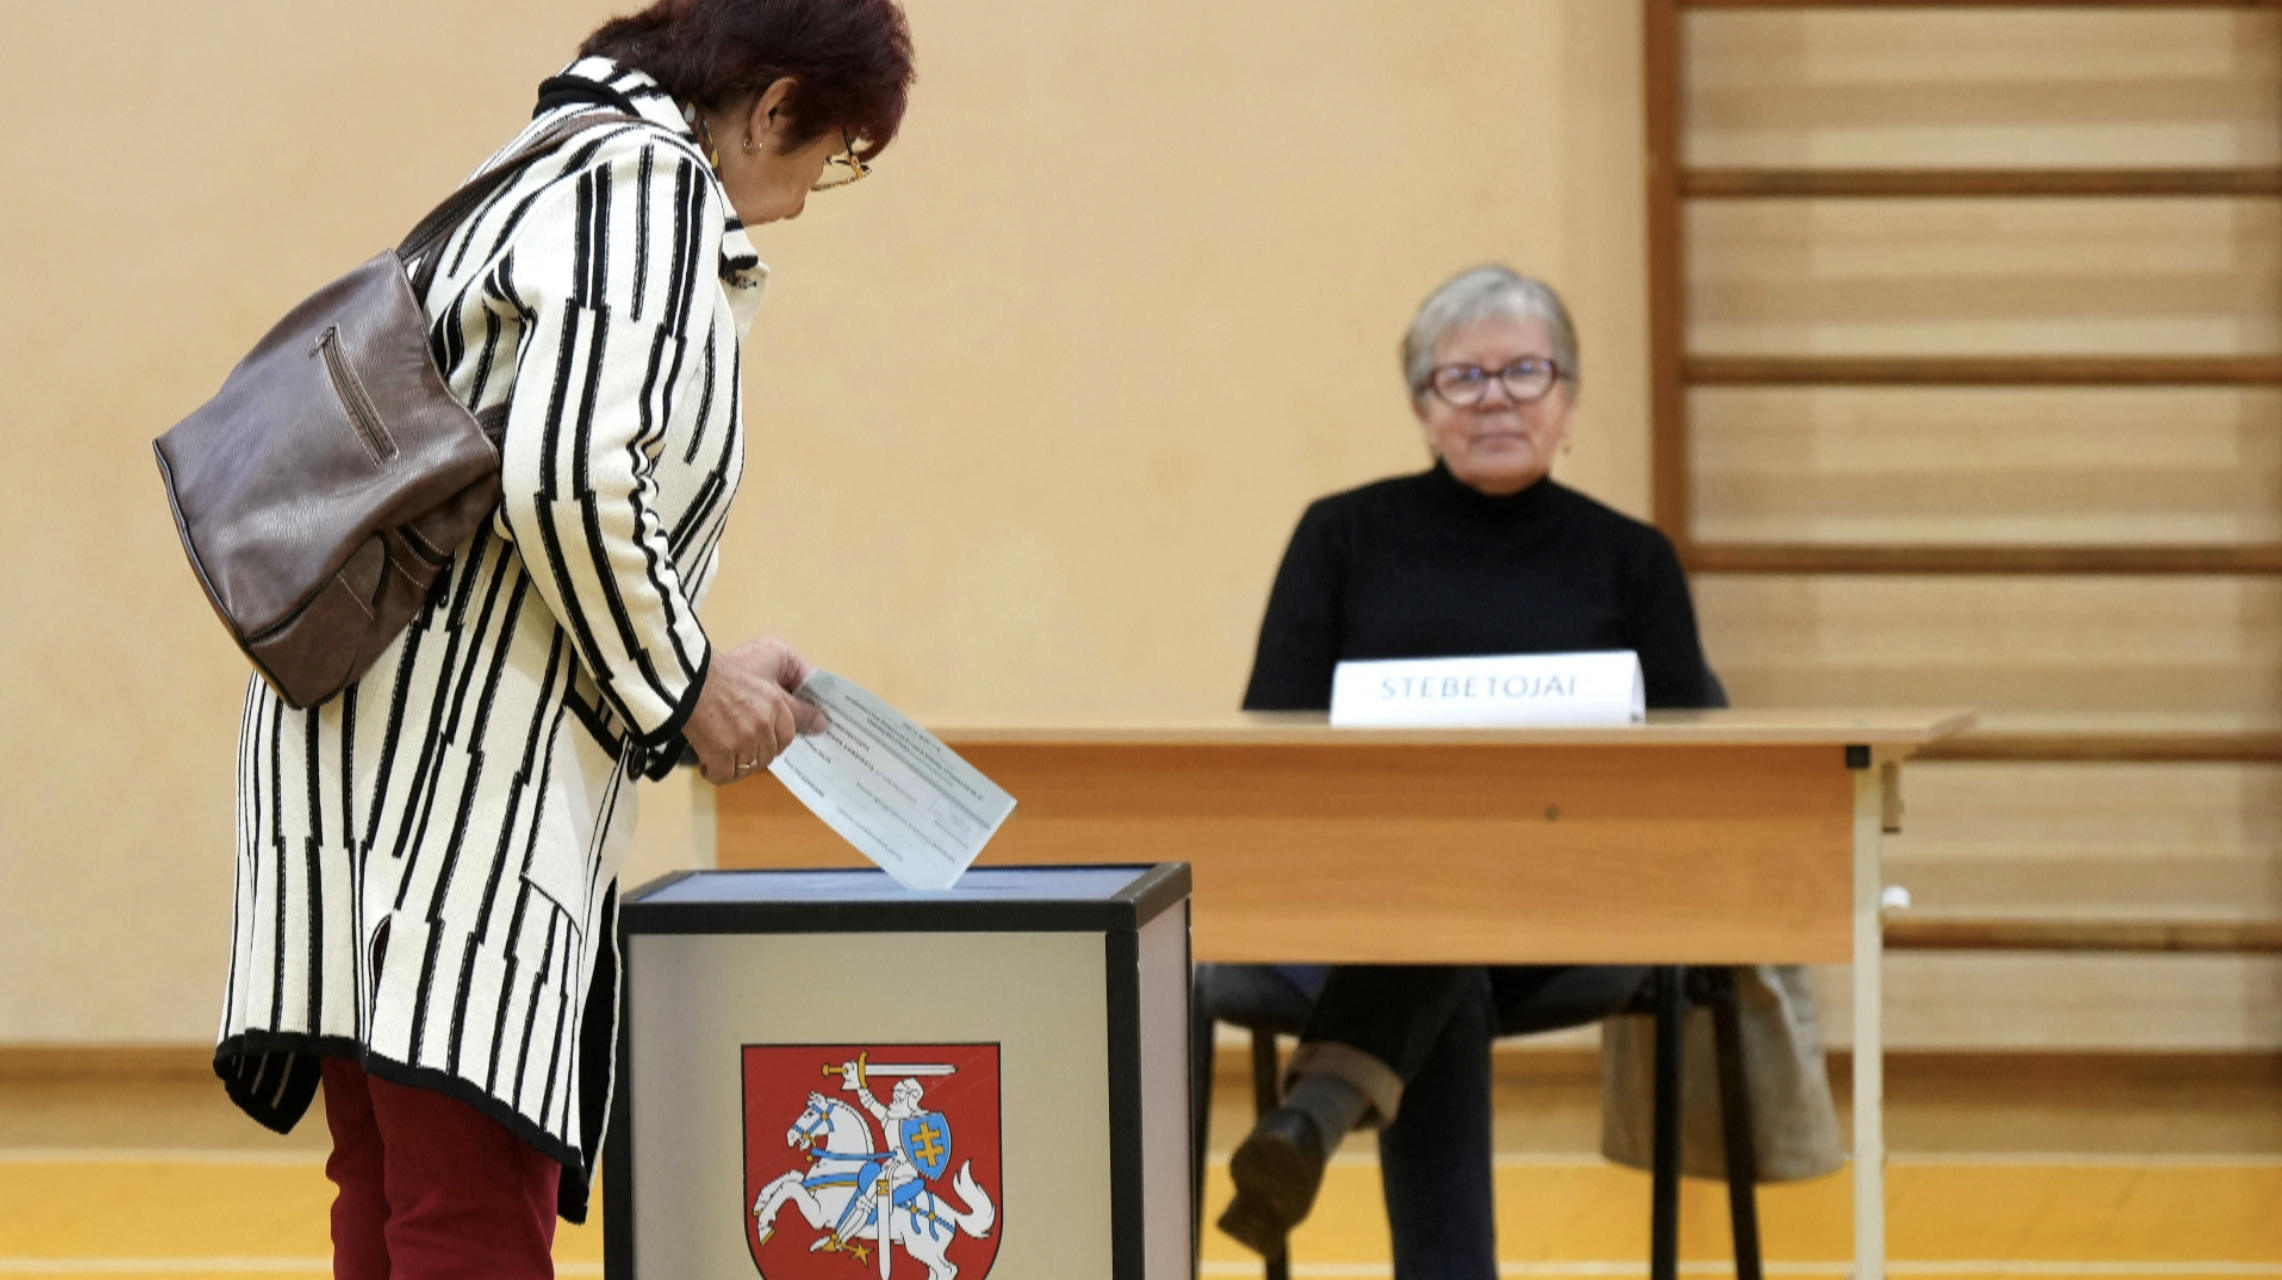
x=1481, y=554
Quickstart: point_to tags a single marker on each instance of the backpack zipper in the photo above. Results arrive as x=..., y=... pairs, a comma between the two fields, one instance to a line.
x=362, y=415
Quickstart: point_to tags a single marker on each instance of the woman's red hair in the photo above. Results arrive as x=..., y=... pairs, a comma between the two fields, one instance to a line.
x=850, y=58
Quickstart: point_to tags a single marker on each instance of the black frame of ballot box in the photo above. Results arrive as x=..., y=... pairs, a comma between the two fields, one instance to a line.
x=977, y=905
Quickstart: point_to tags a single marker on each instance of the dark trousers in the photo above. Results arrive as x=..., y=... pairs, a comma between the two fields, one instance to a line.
x=429, y=1188
x=1432, y=1025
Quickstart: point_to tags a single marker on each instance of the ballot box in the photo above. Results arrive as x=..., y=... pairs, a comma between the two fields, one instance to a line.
x=997, y=1072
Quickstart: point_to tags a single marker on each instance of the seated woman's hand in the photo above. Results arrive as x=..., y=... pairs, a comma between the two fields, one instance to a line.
x=747, y=714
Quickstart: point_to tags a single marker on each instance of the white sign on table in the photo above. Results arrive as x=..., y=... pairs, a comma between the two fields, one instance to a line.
x=1513, y=691
x=890, y=788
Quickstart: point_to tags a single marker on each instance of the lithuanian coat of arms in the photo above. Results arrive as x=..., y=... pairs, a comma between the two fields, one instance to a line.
x=839, y=1181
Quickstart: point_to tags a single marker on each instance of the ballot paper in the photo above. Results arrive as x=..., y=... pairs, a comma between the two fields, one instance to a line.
x=1514, y=691
x=890, y=788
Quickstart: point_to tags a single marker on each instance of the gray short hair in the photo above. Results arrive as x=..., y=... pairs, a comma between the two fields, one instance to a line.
x=1477, y=294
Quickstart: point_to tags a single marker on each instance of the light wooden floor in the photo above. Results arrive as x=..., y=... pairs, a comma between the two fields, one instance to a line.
x=2116, y=1170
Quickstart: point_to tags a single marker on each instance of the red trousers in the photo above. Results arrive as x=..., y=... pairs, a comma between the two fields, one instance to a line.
x=430, y=1188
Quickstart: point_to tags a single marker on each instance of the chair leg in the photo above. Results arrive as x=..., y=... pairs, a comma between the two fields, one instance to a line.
x=1735, y=1122
x=1664, y=1210
x=1200, y=1119
x=1267, y=1095
x=1267, y=1088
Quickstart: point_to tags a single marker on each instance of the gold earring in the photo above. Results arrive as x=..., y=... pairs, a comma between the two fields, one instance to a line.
x=751, y=145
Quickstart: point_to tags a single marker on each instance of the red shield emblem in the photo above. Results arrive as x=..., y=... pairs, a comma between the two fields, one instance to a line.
x=841, y=1140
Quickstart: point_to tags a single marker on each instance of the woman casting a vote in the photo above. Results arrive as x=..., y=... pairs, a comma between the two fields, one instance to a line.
x=1483, y=553
x=428, y=862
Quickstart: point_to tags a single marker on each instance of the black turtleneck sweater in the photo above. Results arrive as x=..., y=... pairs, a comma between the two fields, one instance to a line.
x=1424, y=567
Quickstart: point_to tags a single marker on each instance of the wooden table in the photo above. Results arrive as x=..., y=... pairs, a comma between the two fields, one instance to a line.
x=1705, y=837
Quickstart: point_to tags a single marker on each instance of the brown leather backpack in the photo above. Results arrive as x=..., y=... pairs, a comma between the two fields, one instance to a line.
x=331, y=479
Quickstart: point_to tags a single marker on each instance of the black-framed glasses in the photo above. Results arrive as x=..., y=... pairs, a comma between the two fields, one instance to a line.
x=1462, y=386
x=843, y=168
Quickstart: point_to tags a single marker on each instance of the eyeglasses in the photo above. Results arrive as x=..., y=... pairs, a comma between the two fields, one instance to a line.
x=844, y=168
x=1462, y=386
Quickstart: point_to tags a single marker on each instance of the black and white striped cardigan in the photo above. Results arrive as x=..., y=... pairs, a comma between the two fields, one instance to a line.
x=427, y=864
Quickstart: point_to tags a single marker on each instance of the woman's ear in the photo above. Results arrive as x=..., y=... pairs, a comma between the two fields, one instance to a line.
x=1568, y=425
x=769, y=122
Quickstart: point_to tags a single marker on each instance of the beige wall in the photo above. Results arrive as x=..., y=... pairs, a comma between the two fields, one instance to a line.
x=1033, y=411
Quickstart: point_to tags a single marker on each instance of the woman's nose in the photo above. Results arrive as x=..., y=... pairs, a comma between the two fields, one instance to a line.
x=1496, y=395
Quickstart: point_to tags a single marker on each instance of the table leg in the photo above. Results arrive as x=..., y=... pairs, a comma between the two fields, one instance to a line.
x=1869, y=1036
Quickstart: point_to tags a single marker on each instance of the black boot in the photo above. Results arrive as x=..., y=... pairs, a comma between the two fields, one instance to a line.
x=1278, y=1167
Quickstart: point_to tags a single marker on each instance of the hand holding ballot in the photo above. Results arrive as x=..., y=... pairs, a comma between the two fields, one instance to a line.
x=889, y=787
x=747, y=713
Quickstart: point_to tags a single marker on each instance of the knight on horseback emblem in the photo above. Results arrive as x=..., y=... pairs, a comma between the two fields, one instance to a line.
x=866, y=1193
